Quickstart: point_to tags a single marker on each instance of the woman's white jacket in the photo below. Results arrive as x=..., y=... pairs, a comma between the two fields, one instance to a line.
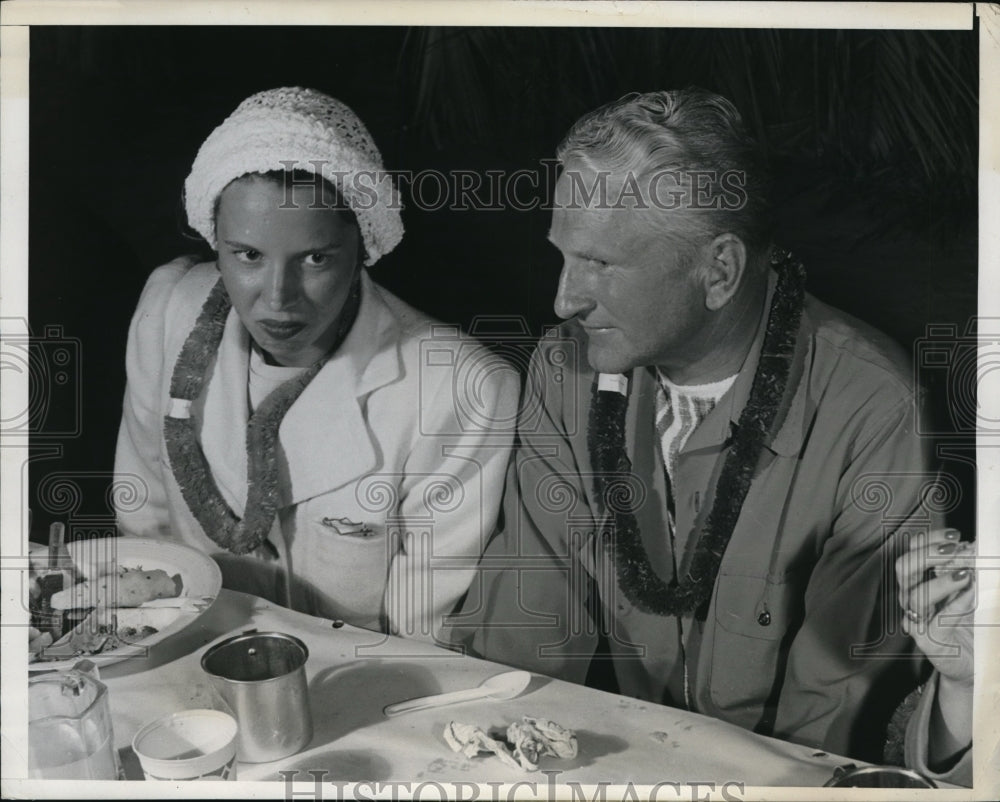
x=391, y=462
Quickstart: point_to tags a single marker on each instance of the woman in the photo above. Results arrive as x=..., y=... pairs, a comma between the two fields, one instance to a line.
x=284, y=413
x=937, y=592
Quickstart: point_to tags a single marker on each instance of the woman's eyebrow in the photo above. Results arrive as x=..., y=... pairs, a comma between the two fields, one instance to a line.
x=330, y=246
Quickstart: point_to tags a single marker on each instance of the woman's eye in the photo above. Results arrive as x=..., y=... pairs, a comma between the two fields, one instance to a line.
x=317, y=259
x=247, y=255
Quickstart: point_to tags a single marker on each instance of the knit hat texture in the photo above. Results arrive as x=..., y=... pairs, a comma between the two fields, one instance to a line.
x=296, y=128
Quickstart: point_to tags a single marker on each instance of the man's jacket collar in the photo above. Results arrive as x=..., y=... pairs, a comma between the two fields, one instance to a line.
x=789, y=430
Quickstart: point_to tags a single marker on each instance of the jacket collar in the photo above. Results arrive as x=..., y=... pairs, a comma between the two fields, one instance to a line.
x=324, y=436
x=722, y=421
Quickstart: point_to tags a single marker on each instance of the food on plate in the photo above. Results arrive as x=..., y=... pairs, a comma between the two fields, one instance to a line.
x=102, y=630
x=38, y=640
x=524, y=742
x=90, y=636
x=140, y=617
x=97, y=614
x=128, y=587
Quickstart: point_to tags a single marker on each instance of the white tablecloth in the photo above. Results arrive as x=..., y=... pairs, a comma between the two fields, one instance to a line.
x=354, y=673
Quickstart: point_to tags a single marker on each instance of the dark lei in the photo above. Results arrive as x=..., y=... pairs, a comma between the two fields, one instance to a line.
x=187, y=460
x=638, y=580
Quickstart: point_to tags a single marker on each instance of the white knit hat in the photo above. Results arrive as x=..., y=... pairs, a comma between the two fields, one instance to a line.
x=317, y=133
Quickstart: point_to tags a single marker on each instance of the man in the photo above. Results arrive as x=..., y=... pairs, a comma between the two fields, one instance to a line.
x=714, y=467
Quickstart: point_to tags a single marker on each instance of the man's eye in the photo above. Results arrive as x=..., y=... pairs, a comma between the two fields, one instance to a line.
x=247, y=255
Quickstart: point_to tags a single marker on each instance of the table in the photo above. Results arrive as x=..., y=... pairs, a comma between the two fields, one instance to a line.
x=354, y=673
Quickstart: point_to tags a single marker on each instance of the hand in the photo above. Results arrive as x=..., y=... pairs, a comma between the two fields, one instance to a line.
x=937, y=592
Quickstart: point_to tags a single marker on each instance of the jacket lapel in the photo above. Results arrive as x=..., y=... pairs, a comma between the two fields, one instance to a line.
x=647, y=464
x=788, y=432
x=224, y=413
x=644, y=448
x=325, y=435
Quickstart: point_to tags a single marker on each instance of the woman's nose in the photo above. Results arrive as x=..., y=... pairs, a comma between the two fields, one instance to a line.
x=571, y=297
x=282, y=286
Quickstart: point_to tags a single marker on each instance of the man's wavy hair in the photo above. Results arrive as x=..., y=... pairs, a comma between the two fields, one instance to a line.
x=682, y=130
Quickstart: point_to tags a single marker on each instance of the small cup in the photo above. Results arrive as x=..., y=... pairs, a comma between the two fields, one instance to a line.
x=188, y=745
x=879, y=777
x=262, y=678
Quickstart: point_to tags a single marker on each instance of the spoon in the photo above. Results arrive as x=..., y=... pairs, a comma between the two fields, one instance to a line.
x=501, y=686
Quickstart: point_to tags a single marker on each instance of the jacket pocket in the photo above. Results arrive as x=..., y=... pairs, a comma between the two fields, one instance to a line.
x=343, y=561
x=755, y=620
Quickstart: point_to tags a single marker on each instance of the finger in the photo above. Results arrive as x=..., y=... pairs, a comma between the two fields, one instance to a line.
x=950, y=624
x=911, y=569
x=938, y=549
x=962, y=601
x=962, y=559
x=920, y=540
x=945, y=533
x=909, y=562
x=923, y=600
x=948, y=557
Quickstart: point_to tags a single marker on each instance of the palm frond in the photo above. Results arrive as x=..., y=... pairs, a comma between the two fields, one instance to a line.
x=898, y=104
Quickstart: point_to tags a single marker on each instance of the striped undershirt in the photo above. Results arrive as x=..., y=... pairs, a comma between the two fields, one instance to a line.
x=679, y=410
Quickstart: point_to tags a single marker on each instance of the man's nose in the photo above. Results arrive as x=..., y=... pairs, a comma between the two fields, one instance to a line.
x=571, y=297
x=282, y=285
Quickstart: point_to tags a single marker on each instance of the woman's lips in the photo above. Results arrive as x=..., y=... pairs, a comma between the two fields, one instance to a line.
x=281, y=329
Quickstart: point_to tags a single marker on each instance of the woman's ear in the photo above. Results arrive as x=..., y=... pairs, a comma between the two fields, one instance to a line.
x=727, y=264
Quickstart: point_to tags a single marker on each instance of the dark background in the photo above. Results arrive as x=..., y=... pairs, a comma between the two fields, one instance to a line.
x=872, y=135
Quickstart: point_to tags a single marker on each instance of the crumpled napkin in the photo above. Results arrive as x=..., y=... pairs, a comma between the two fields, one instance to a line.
x=525, y=743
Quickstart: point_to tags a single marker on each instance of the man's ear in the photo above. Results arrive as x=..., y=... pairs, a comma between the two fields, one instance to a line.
x=727, y=265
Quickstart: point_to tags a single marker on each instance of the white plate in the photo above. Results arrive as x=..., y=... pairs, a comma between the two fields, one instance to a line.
x=201, y=577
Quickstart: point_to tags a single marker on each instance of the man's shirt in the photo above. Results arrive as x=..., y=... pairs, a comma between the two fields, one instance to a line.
x=803, y=613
